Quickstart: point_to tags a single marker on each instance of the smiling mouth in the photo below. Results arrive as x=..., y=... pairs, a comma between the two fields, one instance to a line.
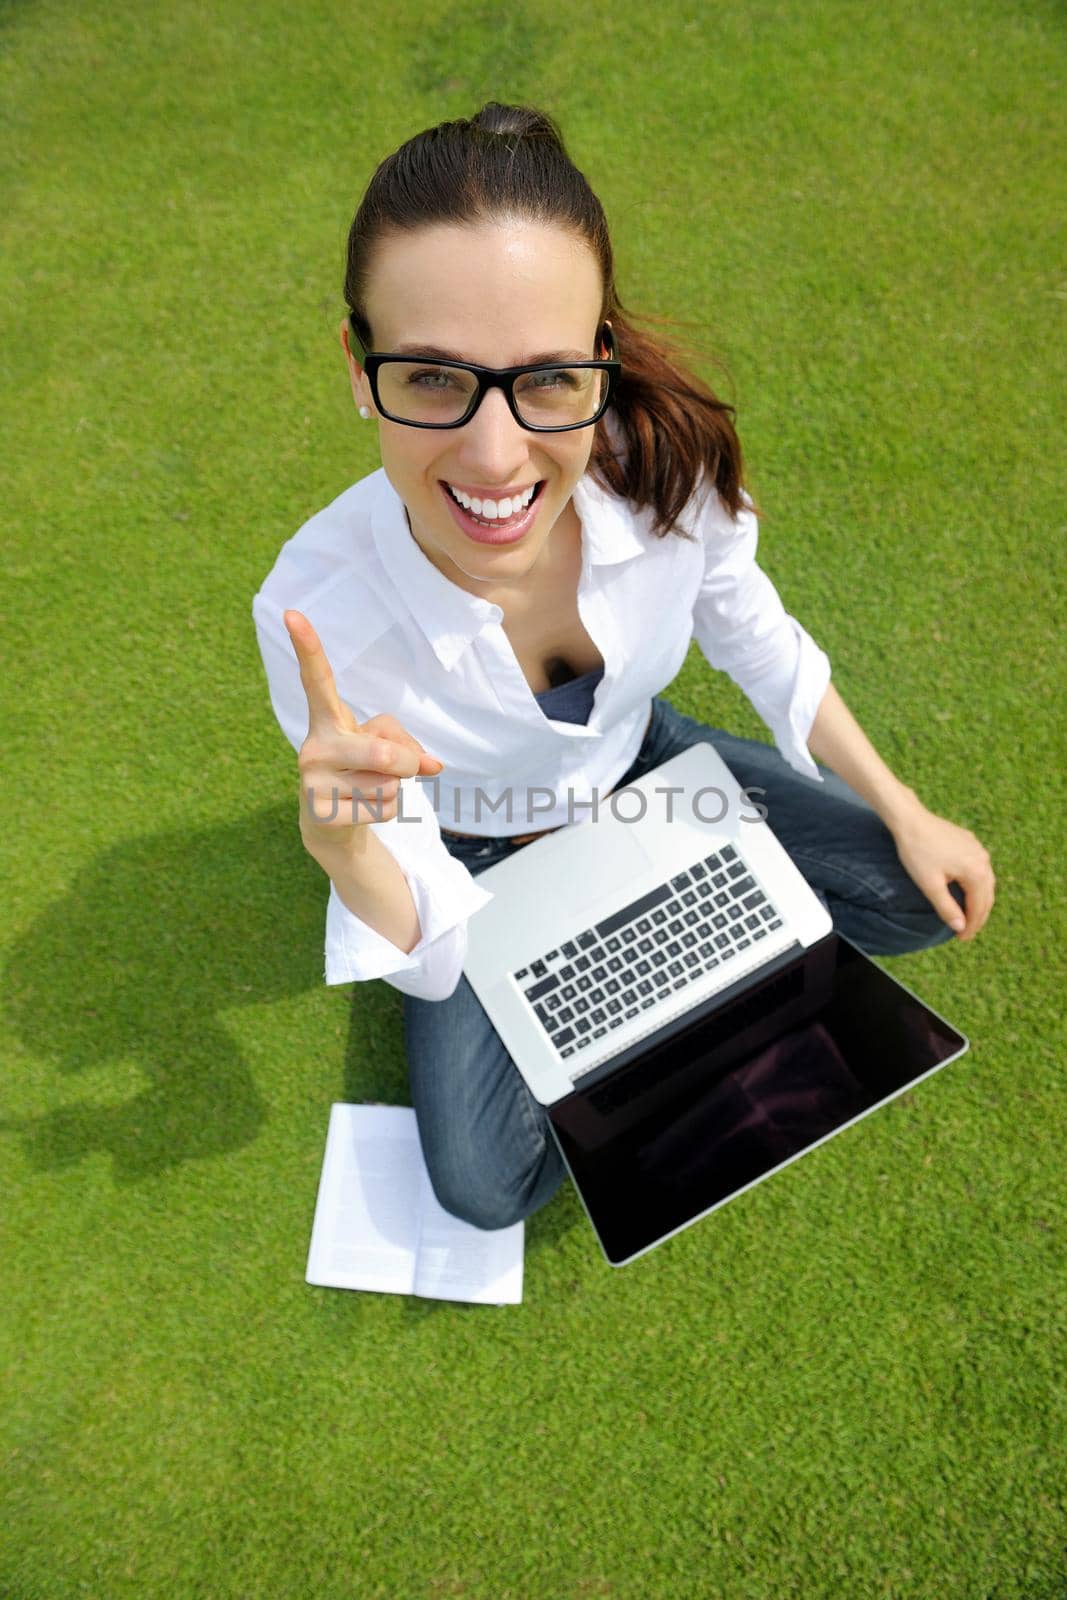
x=495, y=522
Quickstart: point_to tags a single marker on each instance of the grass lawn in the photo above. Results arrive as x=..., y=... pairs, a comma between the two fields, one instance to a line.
x=849, y=1382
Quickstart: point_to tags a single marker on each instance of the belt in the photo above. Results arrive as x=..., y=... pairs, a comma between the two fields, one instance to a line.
x=510, y=838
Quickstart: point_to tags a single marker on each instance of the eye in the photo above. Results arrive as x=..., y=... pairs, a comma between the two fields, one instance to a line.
x=431, y=378
x=560, y=377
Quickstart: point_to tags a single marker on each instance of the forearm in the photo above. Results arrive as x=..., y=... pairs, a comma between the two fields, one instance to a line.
x=372, y=885
x=837, y=740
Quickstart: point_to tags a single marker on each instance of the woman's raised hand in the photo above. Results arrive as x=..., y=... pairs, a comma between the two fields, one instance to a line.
x=349, y=772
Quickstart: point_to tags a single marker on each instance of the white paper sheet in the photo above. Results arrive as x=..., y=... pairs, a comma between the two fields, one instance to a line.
x=378, y=1224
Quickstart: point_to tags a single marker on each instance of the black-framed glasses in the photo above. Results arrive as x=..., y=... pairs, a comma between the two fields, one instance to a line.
x=550, y=397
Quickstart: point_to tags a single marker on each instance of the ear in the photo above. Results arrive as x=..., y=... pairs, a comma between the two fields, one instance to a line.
x=606, y=324
x=360, y=387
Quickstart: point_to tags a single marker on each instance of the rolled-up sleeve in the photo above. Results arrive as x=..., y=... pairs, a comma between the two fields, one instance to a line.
x=444, y=892
x=743, y=629
x=445, y=896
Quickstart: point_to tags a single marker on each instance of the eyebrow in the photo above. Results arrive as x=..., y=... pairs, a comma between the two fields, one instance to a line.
x=435, y=352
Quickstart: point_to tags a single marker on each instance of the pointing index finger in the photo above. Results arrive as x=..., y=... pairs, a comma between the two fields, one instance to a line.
x=316, y=674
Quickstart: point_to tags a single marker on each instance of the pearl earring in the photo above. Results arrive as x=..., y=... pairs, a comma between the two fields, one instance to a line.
x=364, y=412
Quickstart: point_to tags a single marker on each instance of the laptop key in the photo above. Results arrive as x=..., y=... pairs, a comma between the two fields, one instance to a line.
x=777, y=923
x=536, y=990
x=637, y=908
x=565, y=1036
x=570, y=949
x=698, y=869
x=538, y=969
x=728, y=852
x=586, y=939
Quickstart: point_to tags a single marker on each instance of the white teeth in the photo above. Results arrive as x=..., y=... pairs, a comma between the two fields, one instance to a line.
x=497, y=510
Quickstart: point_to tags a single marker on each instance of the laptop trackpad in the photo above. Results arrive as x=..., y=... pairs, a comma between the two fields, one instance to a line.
x=592, y=875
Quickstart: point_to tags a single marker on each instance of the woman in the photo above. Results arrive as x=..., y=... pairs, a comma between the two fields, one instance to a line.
x=497, y=609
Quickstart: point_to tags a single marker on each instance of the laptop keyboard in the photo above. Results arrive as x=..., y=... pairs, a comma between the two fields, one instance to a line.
x=611, y=972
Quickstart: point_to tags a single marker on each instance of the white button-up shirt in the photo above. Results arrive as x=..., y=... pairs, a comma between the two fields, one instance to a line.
x=401, y=638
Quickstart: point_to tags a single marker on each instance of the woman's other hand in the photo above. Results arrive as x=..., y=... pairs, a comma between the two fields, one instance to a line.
x=935, y=853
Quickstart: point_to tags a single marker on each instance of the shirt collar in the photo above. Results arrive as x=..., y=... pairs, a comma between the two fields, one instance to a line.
x=450, y=617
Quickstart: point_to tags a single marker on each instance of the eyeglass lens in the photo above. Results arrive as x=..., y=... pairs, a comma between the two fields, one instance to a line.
x=418, y=391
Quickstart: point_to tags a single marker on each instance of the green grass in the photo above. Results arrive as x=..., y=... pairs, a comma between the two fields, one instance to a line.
x=846, y=1384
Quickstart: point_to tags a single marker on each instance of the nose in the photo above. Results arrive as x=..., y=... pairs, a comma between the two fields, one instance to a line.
x=492, y=445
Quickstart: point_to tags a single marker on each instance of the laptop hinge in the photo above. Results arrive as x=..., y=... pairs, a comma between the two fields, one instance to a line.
x=683, y=1019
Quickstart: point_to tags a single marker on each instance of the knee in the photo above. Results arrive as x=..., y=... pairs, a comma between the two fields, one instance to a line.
x=897, y=931
x=475, y=1204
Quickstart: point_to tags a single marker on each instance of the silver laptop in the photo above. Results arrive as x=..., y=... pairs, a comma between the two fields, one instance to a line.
x=673, y=992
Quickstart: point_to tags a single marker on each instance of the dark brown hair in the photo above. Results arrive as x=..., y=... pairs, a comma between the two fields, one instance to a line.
x=510, y=161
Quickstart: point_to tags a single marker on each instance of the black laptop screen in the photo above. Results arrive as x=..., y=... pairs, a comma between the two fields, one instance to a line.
x=742, y=1091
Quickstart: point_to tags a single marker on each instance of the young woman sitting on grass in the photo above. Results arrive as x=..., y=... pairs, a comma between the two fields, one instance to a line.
x=499, y=608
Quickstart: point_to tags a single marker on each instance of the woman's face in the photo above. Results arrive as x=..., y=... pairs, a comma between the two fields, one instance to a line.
x=499, y=295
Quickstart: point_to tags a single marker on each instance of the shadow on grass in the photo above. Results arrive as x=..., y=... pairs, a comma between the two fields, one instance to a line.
x=142, y=959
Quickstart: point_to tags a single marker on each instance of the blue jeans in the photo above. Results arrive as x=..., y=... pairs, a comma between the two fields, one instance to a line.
x=491, y=1156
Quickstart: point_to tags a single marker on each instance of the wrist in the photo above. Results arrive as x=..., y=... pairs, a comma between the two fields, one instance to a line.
x=901, y=808
x=335, y=850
